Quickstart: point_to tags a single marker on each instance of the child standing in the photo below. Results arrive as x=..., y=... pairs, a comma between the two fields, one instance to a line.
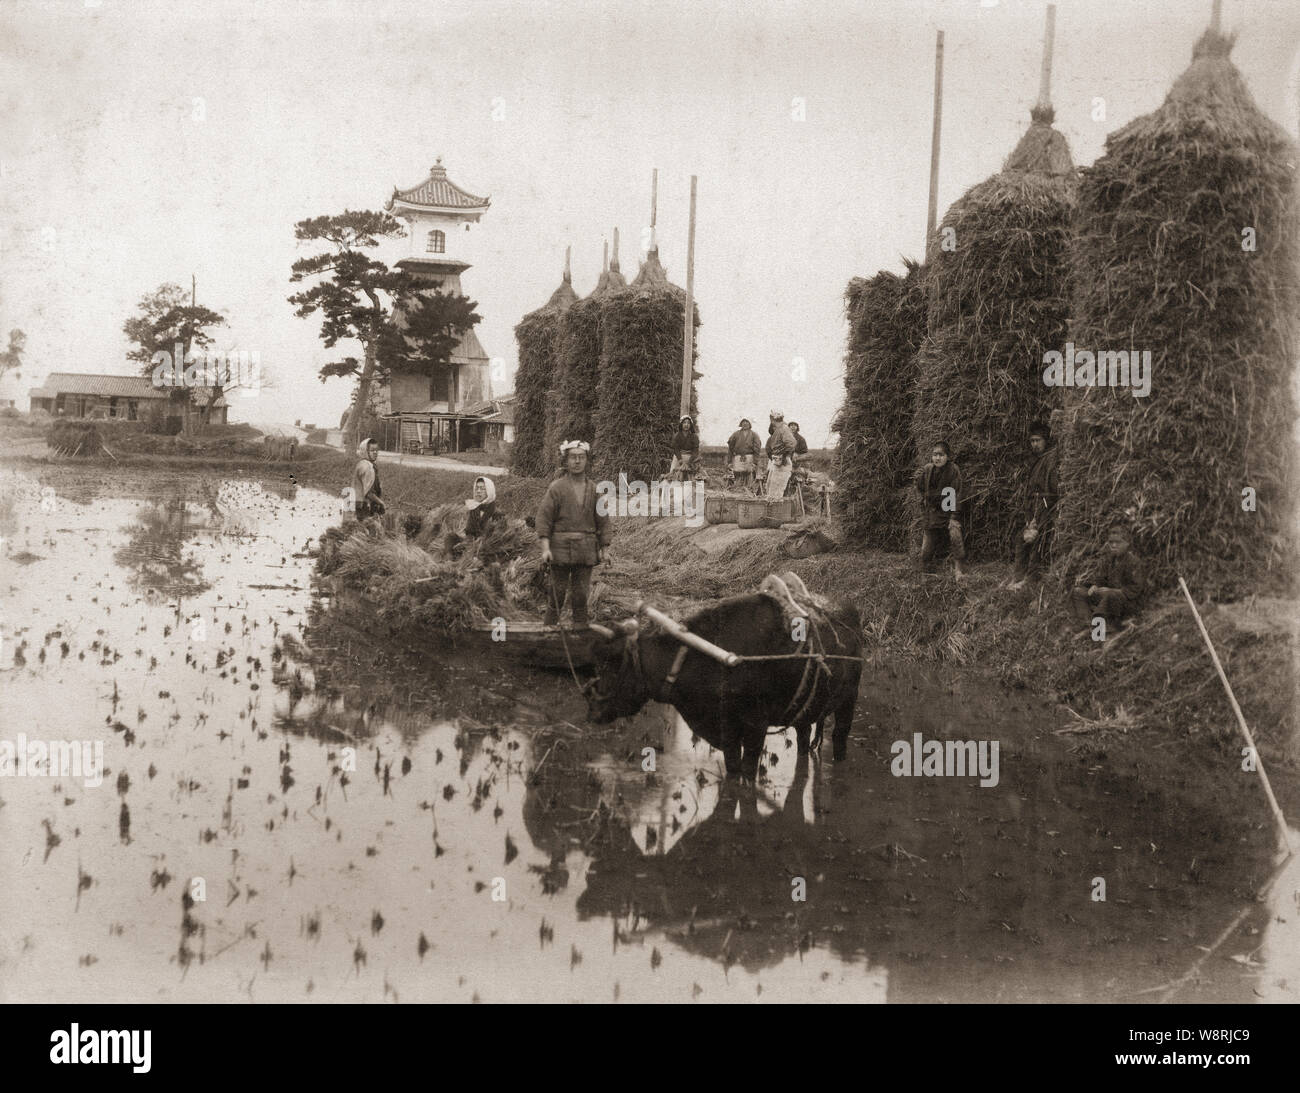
x=940, y=488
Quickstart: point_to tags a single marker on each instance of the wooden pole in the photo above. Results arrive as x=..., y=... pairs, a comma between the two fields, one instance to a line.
x=568, y=254
x=654, y=204
x=933, y=212
x=1045, y=81
x=1216, y=16
x=1241, y=722
x=686, y=637
x=688, y=335
x=613, y=261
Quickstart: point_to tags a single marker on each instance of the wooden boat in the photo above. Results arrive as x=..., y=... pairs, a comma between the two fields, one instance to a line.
x=518, y=640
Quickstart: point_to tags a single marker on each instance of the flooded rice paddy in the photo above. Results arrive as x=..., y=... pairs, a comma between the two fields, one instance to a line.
x=293, y=807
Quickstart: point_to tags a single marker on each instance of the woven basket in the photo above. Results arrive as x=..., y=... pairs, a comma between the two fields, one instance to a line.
x=780, y=512
x=751, y=514
x=721, y=509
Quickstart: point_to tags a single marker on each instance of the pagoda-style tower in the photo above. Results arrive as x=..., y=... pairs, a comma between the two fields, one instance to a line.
x=437, y=213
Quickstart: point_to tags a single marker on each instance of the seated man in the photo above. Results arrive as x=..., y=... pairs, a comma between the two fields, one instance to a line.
x=1116, y=584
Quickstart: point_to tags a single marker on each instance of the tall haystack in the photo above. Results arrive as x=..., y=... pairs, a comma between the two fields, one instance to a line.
x=998, y=300
x=538, y=336
x=1186, y=247
x=577, y=363
x=876, y=456
x=640, y=388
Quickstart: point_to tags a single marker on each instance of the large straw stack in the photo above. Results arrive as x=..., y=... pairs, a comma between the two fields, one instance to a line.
x=1159, y=264
x=886, y=316
x=639, y=393
x=538, y=336
x=997, y=302
x=577, y=364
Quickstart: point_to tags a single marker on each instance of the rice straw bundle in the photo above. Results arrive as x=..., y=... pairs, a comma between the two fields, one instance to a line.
x=1187, y=246
x=74, y=438
x=886, y=315
x=411, y=586
x=538, y=335
x=998, y=300
x=640, y=383
x=577, y=365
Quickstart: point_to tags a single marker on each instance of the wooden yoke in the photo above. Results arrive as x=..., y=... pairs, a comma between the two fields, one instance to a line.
x=678, y=631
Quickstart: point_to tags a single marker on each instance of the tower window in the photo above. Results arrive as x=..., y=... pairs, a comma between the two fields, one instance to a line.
x=437, y=242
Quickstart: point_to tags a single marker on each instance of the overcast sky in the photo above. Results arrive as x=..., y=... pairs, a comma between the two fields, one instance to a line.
x=114, y=179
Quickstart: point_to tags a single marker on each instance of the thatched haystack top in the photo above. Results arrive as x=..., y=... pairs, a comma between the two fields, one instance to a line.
x=1210, y=98
x=563, y=296
x=652, y=274
x=611, y=280
x=1042, y=150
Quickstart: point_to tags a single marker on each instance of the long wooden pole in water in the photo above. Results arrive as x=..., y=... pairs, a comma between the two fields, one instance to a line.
x=688, y=334
x=1241, y=722
x=933, y=212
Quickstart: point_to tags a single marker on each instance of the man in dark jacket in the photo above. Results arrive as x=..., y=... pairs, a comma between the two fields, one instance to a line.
x=1116, y=584
x=940, y=487
x=573, y=533
x=1034, y=545
x=800, y=442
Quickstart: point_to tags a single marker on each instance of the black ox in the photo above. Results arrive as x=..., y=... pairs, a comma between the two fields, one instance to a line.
x=733, y=707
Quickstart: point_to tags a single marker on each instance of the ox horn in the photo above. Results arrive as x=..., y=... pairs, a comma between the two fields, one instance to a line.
x=604, y=631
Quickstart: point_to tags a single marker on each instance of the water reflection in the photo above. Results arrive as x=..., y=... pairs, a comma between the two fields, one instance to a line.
x=377, y=821
x=160, y=554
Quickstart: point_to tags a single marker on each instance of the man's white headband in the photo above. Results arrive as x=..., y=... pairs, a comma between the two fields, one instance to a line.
x=574, y=446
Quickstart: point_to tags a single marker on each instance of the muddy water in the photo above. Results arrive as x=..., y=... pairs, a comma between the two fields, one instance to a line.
x=294, y=809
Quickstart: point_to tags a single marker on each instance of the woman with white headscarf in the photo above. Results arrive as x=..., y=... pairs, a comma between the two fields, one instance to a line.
x=366, y=491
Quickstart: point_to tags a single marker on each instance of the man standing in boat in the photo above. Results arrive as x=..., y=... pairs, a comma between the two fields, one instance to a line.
x=573, y=533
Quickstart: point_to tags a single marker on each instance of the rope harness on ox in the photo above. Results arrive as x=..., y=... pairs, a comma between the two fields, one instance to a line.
x=812, y=613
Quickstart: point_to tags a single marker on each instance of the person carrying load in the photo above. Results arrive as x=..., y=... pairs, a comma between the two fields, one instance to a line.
x=573, y=533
